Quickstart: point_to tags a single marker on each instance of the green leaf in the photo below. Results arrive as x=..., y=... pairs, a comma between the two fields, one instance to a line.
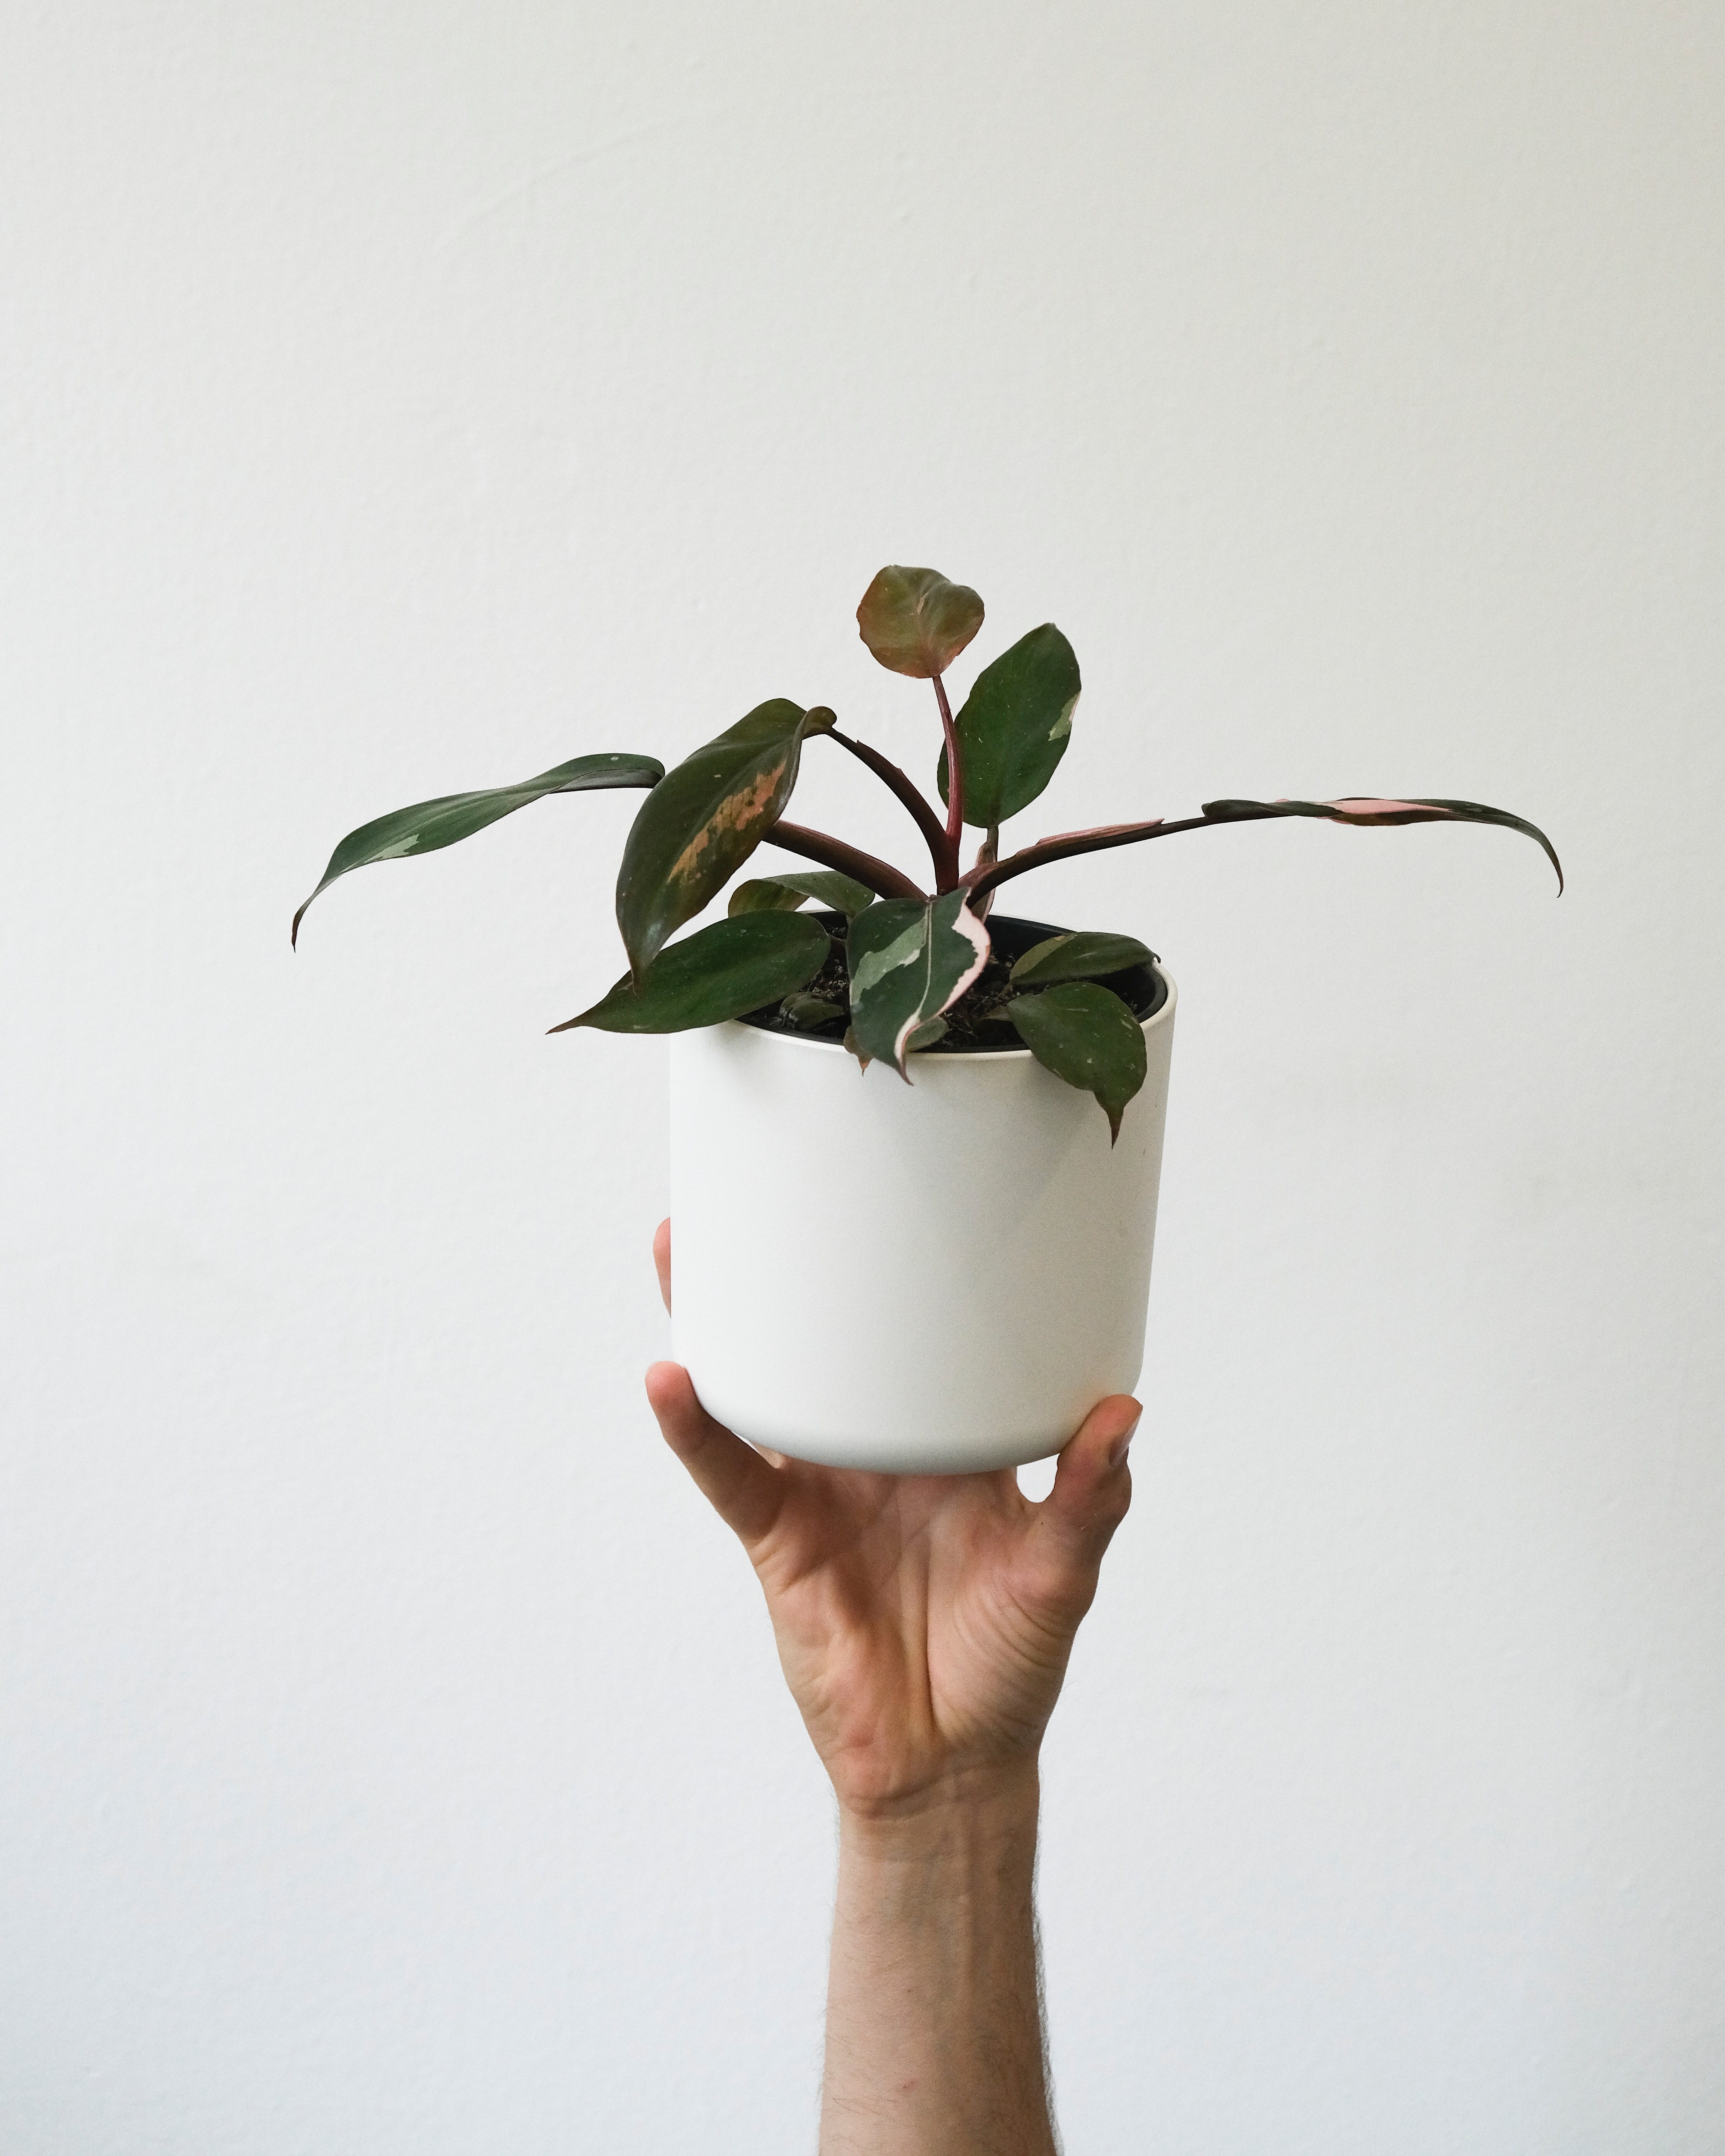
x=1086, y=1035
x=909, y=960
x=704, y=820
x=428, y=825
x=916, y=623
x=760, y=895
x=1085, y=957
x=785, y=894
x=1014, y=727
x=717, y=972
x=805, y=1010
x=1364, y=810
x=840, y=893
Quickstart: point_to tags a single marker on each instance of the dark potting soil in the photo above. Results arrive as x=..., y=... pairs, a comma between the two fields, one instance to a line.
x=977, y=1021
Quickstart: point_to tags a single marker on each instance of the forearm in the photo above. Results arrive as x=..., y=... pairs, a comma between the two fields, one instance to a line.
x=934, y=2025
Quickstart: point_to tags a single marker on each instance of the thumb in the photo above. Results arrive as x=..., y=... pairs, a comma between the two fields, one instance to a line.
x=741, y=1488
x=1074, y=1523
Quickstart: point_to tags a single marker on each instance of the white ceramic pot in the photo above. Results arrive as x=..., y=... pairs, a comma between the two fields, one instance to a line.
x=926, y=1279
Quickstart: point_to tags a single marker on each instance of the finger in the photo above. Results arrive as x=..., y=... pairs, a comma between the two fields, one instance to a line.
x=661, y=1259
x=741, y=1488
x=1092, y=1488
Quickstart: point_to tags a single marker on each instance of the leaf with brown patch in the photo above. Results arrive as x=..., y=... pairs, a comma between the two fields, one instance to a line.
x=916, y=621
x=704, y=820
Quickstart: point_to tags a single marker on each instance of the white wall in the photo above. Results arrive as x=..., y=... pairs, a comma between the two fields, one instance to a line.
x=393, y=1757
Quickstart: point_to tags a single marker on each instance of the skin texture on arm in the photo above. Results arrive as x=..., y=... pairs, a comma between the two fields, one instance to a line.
x=924, y=1625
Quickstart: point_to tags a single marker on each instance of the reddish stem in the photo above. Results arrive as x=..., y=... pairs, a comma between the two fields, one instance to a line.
x=876, y=875
x=1065, y=843
x=987, y=854
x=941, y=848
x=955, y=771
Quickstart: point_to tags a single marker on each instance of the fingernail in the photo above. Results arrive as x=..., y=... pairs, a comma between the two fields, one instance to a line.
x=1121, y=1445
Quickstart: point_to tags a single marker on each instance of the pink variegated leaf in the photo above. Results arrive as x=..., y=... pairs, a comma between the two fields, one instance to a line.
x=1365, y=809
x=909, y=961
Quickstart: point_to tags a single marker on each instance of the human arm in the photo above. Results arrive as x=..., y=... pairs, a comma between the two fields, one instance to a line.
x=924, y=1625
x=934, y=2022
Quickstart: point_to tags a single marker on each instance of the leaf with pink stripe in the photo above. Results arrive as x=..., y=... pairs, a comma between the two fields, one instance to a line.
x=908, y=963
x=1367, y=809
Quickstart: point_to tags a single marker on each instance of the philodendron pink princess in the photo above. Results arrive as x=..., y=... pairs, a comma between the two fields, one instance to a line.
x=895, y=969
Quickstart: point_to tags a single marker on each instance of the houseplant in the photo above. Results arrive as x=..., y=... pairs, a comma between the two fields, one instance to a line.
x=985, y=1274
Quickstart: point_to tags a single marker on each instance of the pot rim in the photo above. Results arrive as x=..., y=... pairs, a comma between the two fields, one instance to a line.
x=1163, y=1011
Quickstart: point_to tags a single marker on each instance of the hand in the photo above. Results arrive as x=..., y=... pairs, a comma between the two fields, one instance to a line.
x=923, y=1622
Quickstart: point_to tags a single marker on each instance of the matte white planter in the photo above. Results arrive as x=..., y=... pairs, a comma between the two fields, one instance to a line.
x=925, y=1279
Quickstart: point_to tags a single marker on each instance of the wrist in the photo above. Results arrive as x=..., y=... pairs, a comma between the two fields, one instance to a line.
x=957, y=1813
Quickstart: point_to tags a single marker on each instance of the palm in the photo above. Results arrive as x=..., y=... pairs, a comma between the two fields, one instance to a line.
x=919, y=1631
x=924, y=1622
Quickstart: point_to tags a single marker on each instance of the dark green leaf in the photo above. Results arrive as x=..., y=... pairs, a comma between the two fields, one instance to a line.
x=785, y=894
x=704, y=820
x=1014, y=727
x=716, y=973
x=1365, y=810
x=840, y=894
x=429, y=824
x=916, y=623
x=1084, y=957
x=1086, y=1035
x=762, y=895
x=908, y=962
x=806, y=1010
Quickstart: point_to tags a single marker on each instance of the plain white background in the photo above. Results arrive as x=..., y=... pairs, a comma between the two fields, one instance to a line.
x=398, y=399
